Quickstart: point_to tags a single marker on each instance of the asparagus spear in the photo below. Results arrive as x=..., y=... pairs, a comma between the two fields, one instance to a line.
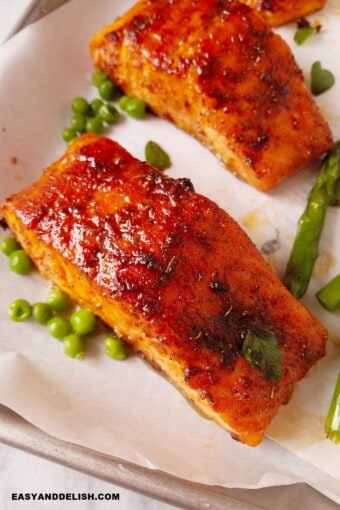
x=337, y=193
x=329, y=295
x=306, y=244
x=332, y=423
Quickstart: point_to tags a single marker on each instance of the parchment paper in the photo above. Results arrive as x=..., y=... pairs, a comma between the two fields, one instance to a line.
x=126, y=408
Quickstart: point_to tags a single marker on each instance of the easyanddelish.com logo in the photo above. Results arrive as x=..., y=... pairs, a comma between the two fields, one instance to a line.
x=64, y=496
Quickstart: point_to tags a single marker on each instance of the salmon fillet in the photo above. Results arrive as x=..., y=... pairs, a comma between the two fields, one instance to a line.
x=278, y=12
x=172, y=273
x=217, y=71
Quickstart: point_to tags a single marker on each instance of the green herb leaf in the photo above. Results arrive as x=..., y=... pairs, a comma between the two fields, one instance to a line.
x=156, y=156
x=321, y=79
x=261, y=350
x=303, y=33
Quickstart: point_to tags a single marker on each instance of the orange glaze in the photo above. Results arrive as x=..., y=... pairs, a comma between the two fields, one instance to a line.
x=216, y=70
x=172, y=273
x=278, y=12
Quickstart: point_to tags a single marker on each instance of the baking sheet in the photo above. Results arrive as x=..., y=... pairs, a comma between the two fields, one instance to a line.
x=101, y=404
x=170, y=489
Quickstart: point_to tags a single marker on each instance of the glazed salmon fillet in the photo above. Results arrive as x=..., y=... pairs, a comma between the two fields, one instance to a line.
x=173, y=274
x=217, y=71
x=278, y=12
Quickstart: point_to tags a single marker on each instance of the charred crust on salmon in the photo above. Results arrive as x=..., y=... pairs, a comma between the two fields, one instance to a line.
x=172, y=274
x=218, y=71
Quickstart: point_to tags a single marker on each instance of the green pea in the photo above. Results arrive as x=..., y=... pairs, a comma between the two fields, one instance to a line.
x=69, y=134
x=78, y=122
x=19, y=310
x=80, y=105
x=58, y=327
x=107, y=90
x=95, y=105
x=98, y=77
x=83, y=321
x=8, y=245
x=57, y=300
x=74, y=346
x=108, y=113
x=115, y=347
x=156, y=156
x=41, y=312
x=94, y=125
x=123, y=101
x=135, y=108
x=19, y=262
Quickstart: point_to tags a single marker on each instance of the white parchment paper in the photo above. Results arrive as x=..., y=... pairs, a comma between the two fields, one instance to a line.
x=125, y=408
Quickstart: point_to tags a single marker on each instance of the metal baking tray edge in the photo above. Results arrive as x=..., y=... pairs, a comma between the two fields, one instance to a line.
x=18, y=433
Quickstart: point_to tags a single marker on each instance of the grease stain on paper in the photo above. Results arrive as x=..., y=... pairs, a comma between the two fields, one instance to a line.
x=334, y=339
x=297, y=428
x=324, y=263
x=253, y=222
x=253, y=219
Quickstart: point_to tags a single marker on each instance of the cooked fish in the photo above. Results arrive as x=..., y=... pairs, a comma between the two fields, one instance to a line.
x=217, y=71
x=174, y=275
x=278, y=12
